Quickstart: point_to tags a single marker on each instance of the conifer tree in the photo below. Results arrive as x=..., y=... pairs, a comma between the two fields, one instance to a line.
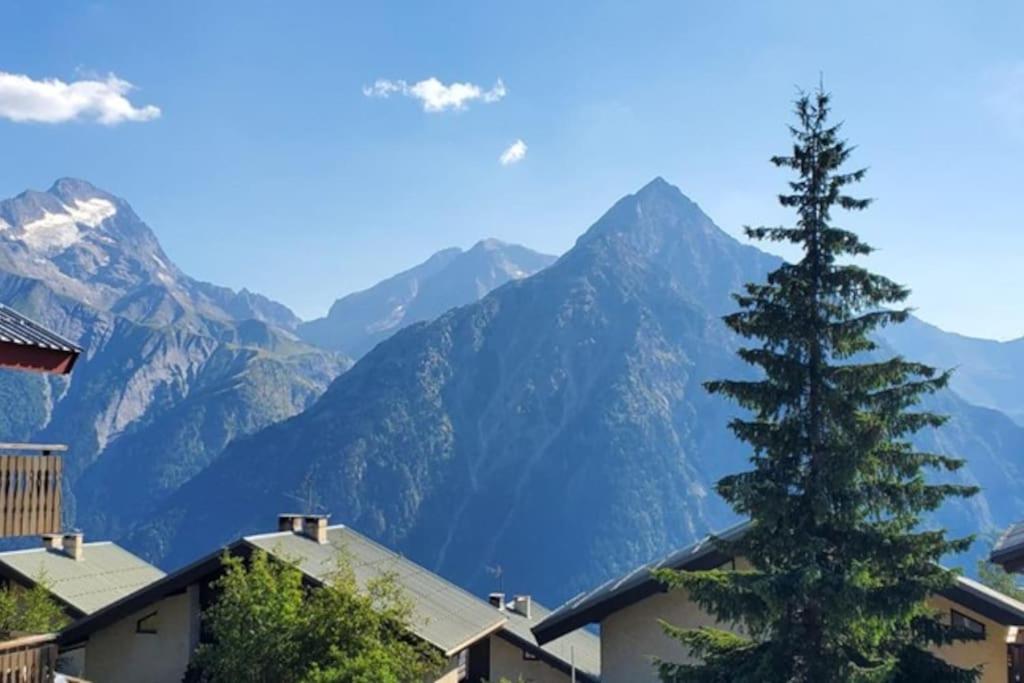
x=835, y=496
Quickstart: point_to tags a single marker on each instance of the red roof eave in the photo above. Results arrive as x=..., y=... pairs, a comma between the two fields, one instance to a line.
x=35, y=359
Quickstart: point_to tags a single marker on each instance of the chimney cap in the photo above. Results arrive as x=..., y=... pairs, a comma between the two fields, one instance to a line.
x=74, y=544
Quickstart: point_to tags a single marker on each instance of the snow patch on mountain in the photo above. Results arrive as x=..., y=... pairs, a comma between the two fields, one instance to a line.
x=55, y=232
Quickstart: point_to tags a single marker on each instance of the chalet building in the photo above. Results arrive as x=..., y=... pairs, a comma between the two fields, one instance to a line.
x=150, y=635
x=628, y=610
x=30, y=481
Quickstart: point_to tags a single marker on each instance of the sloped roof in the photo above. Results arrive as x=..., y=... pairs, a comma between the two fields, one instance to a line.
x=593, y=606
x=580, y=647
x=444, y=615
x=1009, y=549
x=26, y=344
x=105, y=574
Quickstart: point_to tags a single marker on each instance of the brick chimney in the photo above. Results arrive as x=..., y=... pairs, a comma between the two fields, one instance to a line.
x=53, y=541
x=521, y=604
x=289, y=522
x=313, y=527
x=497, y=600
x=74, y=545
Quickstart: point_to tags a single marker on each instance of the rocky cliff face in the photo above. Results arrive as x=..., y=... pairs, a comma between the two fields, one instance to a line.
x=173, y=370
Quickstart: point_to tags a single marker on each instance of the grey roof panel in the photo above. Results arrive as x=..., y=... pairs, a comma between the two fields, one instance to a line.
x=1009, y=549
x=18, y=329
x=106, y=573
x=443, y=614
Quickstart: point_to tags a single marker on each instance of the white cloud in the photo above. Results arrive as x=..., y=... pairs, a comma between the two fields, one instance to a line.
x=435, y=95
x=1006, y=97
x=23, y=99
x=515, y=153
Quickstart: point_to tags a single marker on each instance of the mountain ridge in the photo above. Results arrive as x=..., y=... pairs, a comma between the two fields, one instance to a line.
x=173, y=369
x=562, y=416
x=448, y=278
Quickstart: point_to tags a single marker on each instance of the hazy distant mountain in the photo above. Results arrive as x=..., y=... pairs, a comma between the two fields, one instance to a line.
x=557, y=427
x=174, y=368
x=449, y=278
x=987, y=373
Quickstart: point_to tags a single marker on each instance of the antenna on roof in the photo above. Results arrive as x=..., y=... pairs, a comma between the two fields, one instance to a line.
x=497, y=572
x=306, y=496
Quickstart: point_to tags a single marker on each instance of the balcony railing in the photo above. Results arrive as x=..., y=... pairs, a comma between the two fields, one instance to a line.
x=30, y=489
x=28, y=659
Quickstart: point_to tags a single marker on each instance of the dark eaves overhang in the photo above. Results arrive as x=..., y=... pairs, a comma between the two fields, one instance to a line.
x=204, y=568
x=617, y=594
x=1009, y=549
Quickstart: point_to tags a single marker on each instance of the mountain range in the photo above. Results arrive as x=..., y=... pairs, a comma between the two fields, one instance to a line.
x=173, y=368
x=557, y=428
x=505, y=410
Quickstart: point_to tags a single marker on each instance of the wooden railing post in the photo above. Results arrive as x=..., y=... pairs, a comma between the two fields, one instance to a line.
x=30, y=489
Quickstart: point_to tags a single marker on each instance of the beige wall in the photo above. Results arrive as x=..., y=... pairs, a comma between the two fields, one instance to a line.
x=632, y=637
x=507, y=662
x=453, y=671
x=117, y=654
x=989, y=653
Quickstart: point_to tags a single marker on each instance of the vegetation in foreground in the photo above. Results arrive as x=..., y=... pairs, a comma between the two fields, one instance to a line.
x=266, y=626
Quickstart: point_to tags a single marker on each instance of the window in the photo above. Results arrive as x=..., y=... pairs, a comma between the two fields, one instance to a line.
x=146, y=624
x=960, y=620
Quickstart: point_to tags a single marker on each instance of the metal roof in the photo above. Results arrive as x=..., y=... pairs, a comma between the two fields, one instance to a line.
x=105, y=574
x=580, y=647
x=444, y=615
x=1009, y=549
x=17, y=329
x=591, y=607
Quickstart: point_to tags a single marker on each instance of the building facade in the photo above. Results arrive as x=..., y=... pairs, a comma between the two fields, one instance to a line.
x=630, y=610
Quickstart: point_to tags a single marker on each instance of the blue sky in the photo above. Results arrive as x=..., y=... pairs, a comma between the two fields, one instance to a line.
x=268, y=166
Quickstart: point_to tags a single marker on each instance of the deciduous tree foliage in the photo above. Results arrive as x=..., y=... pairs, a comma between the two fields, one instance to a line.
x=30, y=611
x=836, y=491
x=266, y=626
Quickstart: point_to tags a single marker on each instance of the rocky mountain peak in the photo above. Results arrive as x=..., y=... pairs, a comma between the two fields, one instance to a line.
x=69, y=189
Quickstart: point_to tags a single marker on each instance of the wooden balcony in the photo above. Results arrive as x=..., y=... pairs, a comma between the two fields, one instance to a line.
x=28, y=659
x=30, y=499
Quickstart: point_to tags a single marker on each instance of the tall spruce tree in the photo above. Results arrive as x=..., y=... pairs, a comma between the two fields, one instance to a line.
x=840, y=565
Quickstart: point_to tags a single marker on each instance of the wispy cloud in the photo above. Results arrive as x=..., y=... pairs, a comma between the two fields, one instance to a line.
x=24, y=99
x=1006, y=97
x=435, y=95
x=515, y=153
